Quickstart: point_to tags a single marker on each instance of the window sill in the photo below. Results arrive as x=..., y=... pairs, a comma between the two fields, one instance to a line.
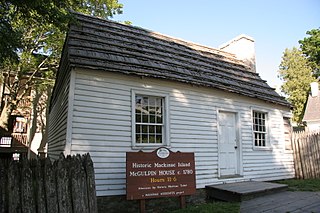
x=149, y=146
x=258, y=148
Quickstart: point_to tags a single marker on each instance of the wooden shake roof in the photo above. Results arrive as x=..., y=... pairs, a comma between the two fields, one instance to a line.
x=99, y=44
x=312, y=111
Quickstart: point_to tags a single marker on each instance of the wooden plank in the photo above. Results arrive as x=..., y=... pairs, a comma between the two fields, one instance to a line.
x=28, y=201
x=312, y=156
x=301, y=157
x=317, y=146
x=63, y=185
x=317, y=156
x=283, y=202
x=40, y=186
x=78, y=185
x=182, y=200
x=3, y=188
x=14, y=192
x=91, y=187
x=298, y=158
x=142, y=206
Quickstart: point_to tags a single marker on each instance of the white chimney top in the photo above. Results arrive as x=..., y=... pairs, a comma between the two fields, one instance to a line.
x=243, y=48
x=314, y=89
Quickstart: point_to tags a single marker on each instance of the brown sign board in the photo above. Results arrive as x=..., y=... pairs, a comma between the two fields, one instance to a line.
x=161, y=173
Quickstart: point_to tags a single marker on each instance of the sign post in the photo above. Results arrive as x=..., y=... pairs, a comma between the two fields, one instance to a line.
x=161, y=173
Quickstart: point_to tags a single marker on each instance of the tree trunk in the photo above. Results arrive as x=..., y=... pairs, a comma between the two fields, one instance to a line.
x=5, y=115
x=33, y=128
x=44, y=129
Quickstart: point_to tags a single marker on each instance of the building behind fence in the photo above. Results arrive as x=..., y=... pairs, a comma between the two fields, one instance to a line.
x=67, y=185
x=306, y=151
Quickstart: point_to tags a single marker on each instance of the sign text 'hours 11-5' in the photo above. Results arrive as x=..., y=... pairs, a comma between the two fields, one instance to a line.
x=160, y=173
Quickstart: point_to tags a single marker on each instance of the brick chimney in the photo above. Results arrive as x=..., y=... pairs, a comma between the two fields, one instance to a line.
x=243, y=48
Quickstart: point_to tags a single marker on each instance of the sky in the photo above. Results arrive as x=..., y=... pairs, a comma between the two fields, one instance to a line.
x=274, y=24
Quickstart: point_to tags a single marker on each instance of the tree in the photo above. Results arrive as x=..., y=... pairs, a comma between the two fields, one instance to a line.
x=44, y=12
x=34, y=32
x=310, y=47
x=296, y=73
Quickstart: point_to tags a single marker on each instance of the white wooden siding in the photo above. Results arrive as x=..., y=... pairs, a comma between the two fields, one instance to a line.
x=101, y=125
x=57, y=134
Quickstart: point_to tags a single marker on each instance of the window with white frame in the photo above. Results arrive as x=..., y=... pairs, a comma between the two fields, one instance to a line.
x=149, y=118
x=260, y=128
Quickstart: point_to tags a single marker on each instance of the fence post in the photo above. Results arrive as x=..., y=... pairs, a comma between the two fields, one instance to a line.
x=50, y=187
x=92, y=199
x=300, y=155
x=14, y=200
x=3, y=188
x=27, y=190
x=40, y=187
x=317, y=156
x=295, y=164
x=312, y=155
x=63, y=184
x=78, y=185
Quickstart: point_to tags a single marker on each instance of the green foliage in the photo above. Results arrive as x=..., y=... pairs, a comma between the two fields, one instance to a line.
x=217, y=207
x=16, y=15
x=312, y=185
x=296, y=73
x=32, y=34
x=310, y=47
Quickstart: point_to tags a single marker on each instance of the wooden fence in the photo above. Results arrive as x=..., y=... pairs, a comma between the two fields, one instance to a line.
x=306, y=150
x=37, y=186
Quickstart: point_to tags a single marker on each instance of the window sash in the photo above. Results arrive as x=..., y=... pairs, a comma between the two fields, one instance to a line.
x=260, y=129
x=149, y=119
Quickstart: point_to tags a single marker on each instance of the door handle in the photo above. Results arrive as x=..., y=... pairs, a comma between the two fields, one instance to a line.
x=235, y=147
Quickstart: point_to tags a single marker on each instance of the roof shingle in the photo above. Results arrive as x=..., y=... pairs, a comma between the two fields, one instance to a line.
x=105, y=45
x=312, y=111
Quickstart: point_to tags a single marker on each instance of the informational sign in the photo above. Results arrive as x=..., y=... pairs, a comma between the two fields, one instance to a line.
x=160, y=173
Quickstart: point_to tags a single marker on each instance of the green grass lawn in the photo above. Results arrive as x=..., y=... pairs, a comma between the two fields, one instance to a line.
x=215, y=207
x=312, y=185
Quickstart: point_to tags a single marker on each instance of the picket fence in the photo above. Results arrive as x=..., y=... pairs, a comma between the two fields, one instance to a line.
x=306, y=151
x=40, y=186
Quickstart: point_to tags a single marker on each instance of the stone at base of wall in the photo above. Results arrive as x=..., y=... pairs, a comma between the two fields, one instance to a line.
x=119, y=204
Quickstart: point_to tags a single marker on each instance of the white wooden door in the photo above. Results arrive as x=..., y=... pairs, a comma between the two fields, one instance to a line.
x=228, y=145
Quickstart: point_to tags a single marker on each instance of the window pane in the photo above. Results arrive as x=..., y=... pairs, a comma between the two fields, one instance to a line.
x=138, y=99
x=145, y=118
x=159, y=129
x=138, y=138
x=144, y=129
x=144, y=138
x=152, y=129
x=138, y=128
x=152, y=101
x=159, y=119
x=138, y=118
x=152, y=138
x=152, y=118
x=158, y=138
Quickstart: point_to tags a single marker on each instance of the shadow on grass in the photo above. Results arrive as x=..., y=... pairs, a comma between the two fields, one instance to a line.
x=312, y=185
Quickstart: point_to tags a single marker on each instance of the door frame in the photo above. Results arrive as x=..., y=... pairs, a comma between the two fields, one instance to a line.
x=239, y=171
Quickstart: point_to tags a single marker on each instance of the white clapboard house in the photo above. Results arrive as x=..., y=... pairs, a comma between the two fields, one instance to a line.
x=123, y=89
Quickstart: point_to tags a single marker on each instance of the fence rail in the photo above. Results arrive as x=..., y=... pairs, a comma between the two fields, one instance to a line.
x=306, y=150
x=67, y=185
